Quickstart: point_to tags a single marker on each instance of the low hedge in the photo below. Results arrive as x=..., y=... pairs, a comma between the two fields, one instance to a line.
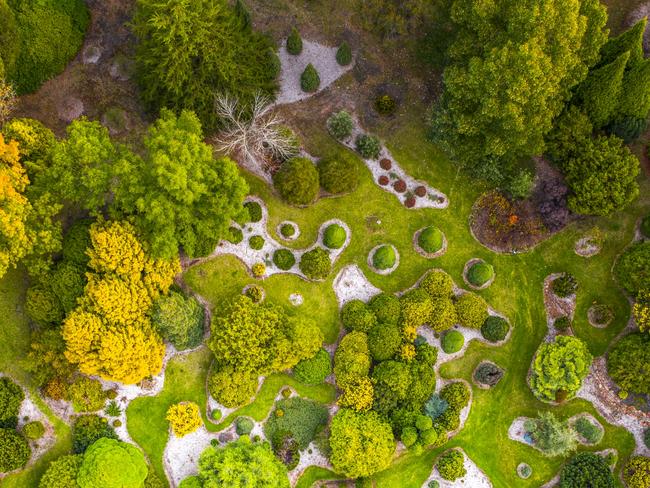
x=284, y=259
x=480, y=273
x=452, y=341
x=384, y=257
x=334, y=236
x=495, y=328
x=431, y=239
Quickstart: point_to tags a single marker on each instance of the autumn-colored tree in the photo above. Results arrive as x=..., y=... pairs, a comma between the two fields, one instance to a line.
x=184, y=418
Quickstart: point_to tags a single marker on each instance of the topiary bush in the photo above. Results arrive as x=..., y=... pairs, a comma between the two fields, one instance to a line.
x=495, y=328
x=287, y=230
x=309, y=79
x=488, y=374
x=564, y=285
x=14, y=450
x=184, y=418
x=244, y=425
x=316, y=264
x=334, y=236
x=451, y=465
x=236, y=235
x=86, y=429
x=431, y=239
x=480, y=273
x=294, y=42
x=386, y=308
x=314, y=370
x=33, y=430
x=179, y=319
x=256, y=242
x=284, y=259
x=11, y=397
x=254, y=211
x=344, y=54
x=384, y=257
x=472, y=310
x=368, y=146
x=297, y=181
x=437, y=283
x=452, y=341
x=338, y=174
x=356, y=315
x=384, y=340
x=591, y=432
x=340, y=125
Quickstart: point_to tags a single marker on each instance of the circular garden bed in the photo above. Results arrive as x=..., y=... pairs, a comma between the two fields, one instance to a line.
x=430, y=242
x=287, y=230
x=383, y=259
x=600, y=315
x=478, y=274
x=487, y=374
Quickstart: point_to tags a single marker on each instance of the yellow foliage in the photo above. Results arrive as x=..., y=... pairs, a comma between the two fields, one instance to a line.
x=82, y=332
x=641, y=311
x=259, y=269
x=159, y=275
x=116, y=249
x=407, y=352
x=117, y=300
x=357, y=394
x=184, y=418
x=409, y=332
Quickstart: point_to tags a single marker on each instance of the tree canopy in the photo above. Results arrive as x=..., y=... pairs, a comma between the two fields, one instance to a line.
x=110, y=463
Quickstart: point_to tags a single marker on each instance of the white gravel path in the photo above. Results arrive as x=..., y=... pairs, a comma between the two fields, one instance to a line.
x=322, y=57
x=351, y=284
x=475, y=477
x=181, y=455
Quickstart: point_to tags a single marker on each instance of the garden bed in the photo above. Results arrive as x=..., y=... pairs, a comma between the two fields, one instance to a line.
x=422, y=252
x=371, y=256
x=474, y=478
x=556, y=306
x=468, y=266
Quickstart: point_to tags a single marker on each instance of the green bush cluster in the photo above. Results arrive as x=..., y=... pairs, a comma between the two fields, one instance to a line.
x=334, y=236
x=86, y=429
x=480, y=273
x=294, y=42
x=244, y=425
x=297, y=181
x=236, y=235
x=627, y=363
x=62, y=472
x=356, y=315
x=452, y=341
x=11, y=397
x=586, y=470
x=86, y=394
x=43, y=306
x=287, y=230
x=314, y=370
x=339, y=174
x=384, y=341
x=316, y=264
x=340, y=125
x=430, y=239
x=386, y=307
x=551, y=436
x=451, y=465
x=256, y=242
x=495, y=328
x=591, y=432
x=302, y=419
x=384, y=257
x=344, y=54
x=488, y=374
x=309, y=79
x=368, y=146
x=33, y=430
x=35, y=140
x=456, y=395
x=284, y=259
x=254, y=211
x=632, y=268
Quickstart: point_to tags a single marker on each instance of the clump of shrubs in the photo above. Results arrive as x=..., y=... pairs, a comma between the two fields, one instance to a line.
x=244, y=425
x=86, y=429
x=452, y=341
x=334, y=236
x=297, y=181
x=340, y=125
x=472, y=310
x=495, y=328
x=294, y=42
x=344, y=54
x=562, y=323
x=256, y=242
x=480, y=273
x=14, y=450
x=316, y=264
x=488, y=374
x=284, y=259
x=386, y=308
x=384, y=257
x=451, y=465
x=309, y=79
x=565, y=285
x=356, y=315
x=33, y=430
x=338, y=174
x=368, y=146
x=255, y=293
x=254, y=211
x=314, y=370
x=236, y=235
x=430, y=239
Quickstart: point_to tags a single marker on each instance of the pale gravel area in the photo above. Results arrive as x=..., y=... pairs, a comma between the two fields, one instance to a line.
x=556, y=306
x=181, y=454
x=351, y=284
x=322, y=57
x=387, y=271
x=586, y=248
x=475, y=477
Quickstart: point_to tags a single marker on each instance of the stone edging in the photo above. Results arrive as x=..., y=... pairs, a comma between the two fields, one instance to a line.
x=466, y=269
x=296, y=229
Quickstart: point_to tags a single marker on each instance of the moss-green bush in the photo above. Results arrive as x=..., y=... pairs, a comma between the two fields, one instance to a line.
x=179, y=319
x=14, y=450
x=431, y=239
x=562, y=323
x=316, y=264
x=256, y=242
x=43, y=306
x=314, y=370
x=368, y=146
x=33, y=430
x=356, y=315
x=472, y=310
x=68, y=283
x=384, y=339
x=437, y=283
x=284, y=259
x=294, y=42
x=334, y=236
x=236, y=235
x=339, y=174
x=309, y=79
x=340, y=125
x=244, y=425
x=386, y=307
x=645, y=226
x=344, y=54
x=452, y=341
x=287, y=230
x=301, y=418
x=75, y=242
x=495, y=328
x=297, y=181
x=480, y=273
x=591, y=432
x=451, y=465
x=11, y=397
x=384, y=257
x=86, y=429
x=254, y=211
x=632, y=268
x=564, y=285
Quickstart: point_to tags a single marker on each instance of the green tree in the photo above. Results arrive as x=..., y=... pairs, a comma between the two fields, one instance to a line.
x=636, y=473
x=62, y=472
x=86, y=429
x=586, y=470
x=112, y=464
x=552, y=436
x=634, y=100
x=352, y=358
x=179, y=66
x=361, y=443
x=451, y=465
x=630, y=41
x=11, y=397
x=602, y=176
x=628, y=363
x=632, y=268
x=14, y=450
x=179, y=319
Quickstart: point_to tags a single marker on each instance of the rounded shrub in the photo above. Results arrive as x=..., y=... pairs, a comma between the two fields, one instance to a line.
x=386, y=308
x=631, y=268
x=586, y=470
x=86, y=429
x=75, y=242
x=472, y=310
x=384, y=257
x=314, y=370
x=43, y=306
x=334, y=236
x=294, y=42
x=340, y=125
x=591, y=432
x=14, y=450
x=297, y=181
x=437, y=283
x=524, y=471
x=254, y=211
x=62, y=472
x=495, y=328
x=564, y=285
x=11, y=397
x=645, y=226
x=480, y=273
x=368, y=146
x=344, y=54
x=179, y=319
x=562, y=323
x=452, y=341
x=309, y=79
x=68, y=283
x=256, y=242
x=316, y=264
x=409, y=436
x=255, y=293
x=216, y=415
x=287, y=230
x=488, y=374
x=244, y=425
x=258, y=269
x=385, y=105
x=33, y=430
x=431, y=239
x=384, y=339
x=338, y=174
x=236, y=235
x=356, y=315
x=451, y=465
x=284, y=259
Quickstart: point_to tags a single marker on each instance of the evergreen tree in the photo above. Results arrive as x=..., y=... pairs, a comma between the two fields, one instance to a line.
x=635, y=94
x=631, y=40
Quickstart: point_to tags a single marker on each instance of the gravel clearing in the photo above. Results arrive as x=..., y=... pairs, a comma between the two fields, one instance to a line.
x=181, y=455
x=556, y=306
x=475, y=478
x=352, y=284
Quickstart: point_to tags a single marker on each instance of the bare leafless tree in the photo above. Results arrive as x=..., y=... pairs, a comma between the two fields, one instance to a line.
x=254, y=133
x=7, y=101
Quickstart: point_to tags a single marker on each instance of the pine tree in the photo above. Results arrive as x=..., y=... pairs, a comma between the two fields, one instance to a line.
x=601, y=90
x=631, y=40
x=635, y=94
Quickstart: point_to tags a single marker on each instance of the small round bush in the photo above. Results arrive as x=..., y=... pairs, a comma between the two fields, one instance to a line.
x=254, y=211
x=452, y=341
x=11, y=397
x=562, y=323
x=480, y=273
x=216, y=415
x=409, y=436
x=344, y=54
x=399, y=186
x=244, y=425
x=338, y=174
x=258, y=269
x=297, y=181
x=386, y=307
x=356, y=315
x=33, y=430
x=383, y=180
x=340, y=125
x=645, y=226
x=438, y=284
x=14, y=450
x=236, y=235
x=384, y=339
x=334, y=236
x=284, y=259
x=451, y=465
x=495, y=328
x=488, y=374
x=564, y=285
x=385, y=105
x=433, y=484
x=43, y=306
x=430, y=239
x=591, y=432
x=314, y=370
x=368, y=146
x=524, y=471
x=384, y=257
x=294, y=42
x=256, y=242
x=316, y=264
x=287, y=230
x=309, y=79
x=255, y=293
x=472, y=310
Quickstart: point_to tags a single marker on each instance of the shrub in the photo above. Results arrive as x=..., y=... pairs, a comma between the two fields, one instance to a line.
x=314, y=370
x=452, y=341
x=383, y=180
x=627, y=363
x=627, y=128
x=431, y=239
x=495, y=328
x=339, y=174
x=14, y=450
x=586, y=470
x=216, y=415
x=438, y=284
x=645, y=226
x=34, y=139
x=562, y=323
x=334, y=236
x=303, y=419
x=344, y=54
x=340, y=125
x=254, y=211
x=472, y=310
x=244, y=425
x=75, y=242
x=86, y=394
x=368, y=146
x=480, y=273
x=488, y=374
x=409, y=436
x=451, y=465
x=352, y=358
x=113, y=409
x=384, y=340
x=287, y=230
x=33, y=430
x=68, y=283
x=435, y=406
x=256, y=242
x=565, y=285
x=417, y=308
x=600, y=314
x=62, y=472
x=409, y=202
x=179, y=319
x=551, y=436
x=443, y=314
x=636, y=472
x=386, y=308
x=297, y=181
x=309, y=79
x=184, y=418
x=591, y=432
x=236, y=235
x=316, y=264
x=632, y=268
x=524, y=471
x=399, y=186
x=284, y=259
x=385, y=105
x=112, y=464
x=356, y=315
x=86, y=429
x=258, y=269
x=294, y=42
x=43, y=306
x=11, y=397
x=384, y=257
